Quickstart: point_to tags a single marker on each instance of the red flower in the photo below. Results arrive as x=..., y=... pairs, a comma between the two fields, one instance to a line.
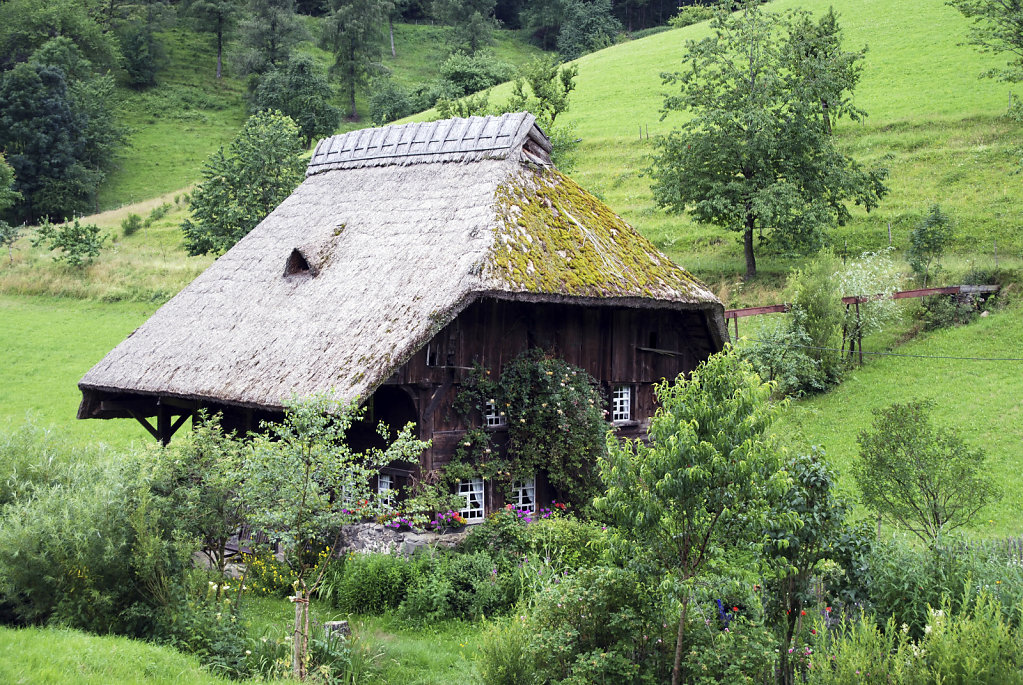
x=802, y=613
x=736, y=609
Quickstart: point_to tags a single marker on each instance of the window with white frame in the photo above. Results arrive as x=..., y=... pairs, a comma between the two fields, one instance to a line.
x=524, y=494
x=621, y=403
x=472, y=490
x=385, y=488
x=493, y=416
x=432, y=354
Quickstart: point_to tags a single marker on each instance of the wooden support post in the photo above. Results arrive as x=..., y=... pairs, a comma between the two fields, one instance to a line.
x=163, y=423
x=859, y=332
x=736, y=319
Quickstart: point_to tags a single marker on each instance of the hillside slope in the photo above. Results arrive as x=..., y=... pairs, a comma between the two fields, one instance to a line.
x=942, y=125
x=981, y=399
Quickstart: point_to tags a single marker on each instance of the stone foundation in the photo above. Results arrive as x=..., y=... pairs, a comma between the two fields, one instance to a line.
x=364, y=538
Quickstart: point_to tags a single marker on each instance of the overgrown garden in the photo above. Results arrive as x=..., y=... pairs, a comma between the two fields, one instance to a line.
x=711, y=553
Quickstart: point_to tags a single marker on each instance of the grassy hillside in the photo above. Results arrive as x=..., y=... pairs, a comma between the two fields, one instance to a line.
x=48, y=345
x=42, y=656
x=941, y=125
x=983, y=400
x=189, y=114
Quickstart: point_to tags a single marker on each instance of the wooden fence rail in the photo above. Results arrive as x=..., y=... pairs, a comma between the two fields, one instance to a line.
x=982, y=290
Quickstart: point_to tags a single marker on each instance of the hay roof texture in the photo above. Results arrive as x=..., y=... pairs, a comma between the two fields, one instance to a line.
x=394, y=231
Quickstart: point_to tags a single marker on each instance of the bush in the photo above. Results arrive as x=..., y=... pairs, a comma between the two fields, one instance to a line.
x=587, y=26
x=34, y=459
x=370, y=583
x=131, y=224
x=390, y=101
x=693, y=14
x=905, y=580
x=599, y=625
x=466, y=585
x=97, y=553
x=970, y=644
x=470, y=74
x=77, y=244
x=928, y=242
x=944, y=311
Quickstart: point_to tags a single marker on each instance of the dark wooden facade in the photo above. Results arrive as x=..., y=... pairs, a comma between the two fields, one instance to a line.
x=617, y=345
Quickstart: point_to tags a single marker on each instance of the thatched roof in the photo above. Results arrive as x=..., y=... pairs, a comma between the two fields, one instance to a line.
x=386, y=246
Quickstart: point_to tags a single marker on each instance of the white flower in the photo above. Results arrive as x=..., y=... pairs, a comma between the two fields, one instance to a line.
x=927, y=628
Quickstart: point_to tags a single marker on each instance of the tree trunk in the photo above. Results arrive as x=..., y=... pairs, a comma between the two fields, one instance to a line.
x=747, y=247
x=299, y=638
x=676, y=671
x=220, y=53
x=390, y=24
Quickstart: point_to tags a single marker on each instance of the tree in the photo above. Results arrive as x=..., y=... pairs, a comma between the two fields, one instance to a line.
x=543, y=88
x=756, y=155
x=217, y=17
x=800, y=553
x=997, y=27
x=923, y=478
x=352, y=32
x=58, y=129
x=542, y=21
x=928, y=240
x=8, y=196
x=587, y=26
x=77, y=244
x=300, y=91
x=143, y=55
x=472, y=22
x=268, y=34
x=26, y=25
x=199, y=477
x=239, y=189
x=705, y=479
x=301, y=482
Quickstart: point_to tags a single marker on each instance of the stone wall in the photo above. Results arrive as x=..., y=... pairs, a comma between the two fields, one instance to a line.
x=373, y=537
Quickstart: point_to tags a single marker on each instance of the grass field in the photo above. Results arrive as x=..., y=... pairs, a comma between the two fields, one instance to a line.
x=982, y=400
x=932, y=121
x=48, y=346
x=51, y=656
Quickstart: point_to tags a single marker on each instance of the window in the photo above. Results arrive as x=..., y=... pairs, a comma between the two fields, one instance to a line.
x=431, y=354
x=385, y=486
x=472, y=491
x=524, y=494
x=492, y=416
x=621, y=403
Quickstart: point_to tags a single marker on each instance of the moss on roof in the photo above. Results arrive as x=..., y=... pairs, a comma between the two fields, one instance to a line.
x=554, y=237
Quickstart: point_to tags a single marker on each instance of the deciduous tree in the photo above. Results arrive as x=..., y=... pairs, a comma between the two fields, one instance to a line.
x=757, y=154
x=301, y=481
x=300, y=90
x=997, y=27
x=8, y=196
x=920, y=477
x=263, y=165
x=708, y=472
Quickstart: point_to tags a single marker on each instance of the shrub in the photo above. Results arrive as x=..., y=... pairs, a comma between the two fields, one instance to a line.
x=390, y=101
x=780, y=355
x=370, y=583
x=470, y=74
x=77, y=244
x=587, y=26
x=928, y=241
x=34, y=459
x=943, y=311
x=598, y=625
x=906, y=579
x=693, y=14
x=131, y=224
x=466, y=585
x=503, y=657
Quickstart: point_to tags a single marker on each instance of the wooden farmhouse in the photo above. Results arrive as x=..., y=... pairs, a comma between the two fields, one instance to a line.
x=408, y=254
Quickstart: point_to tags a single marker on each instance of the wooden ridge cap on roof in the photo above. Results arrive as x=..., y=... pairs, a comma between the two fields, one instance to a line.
x=448, y=140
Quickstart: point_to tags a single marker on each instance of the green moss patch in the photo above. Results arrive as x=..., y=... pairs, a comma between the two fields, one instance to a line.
x=554, y=237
